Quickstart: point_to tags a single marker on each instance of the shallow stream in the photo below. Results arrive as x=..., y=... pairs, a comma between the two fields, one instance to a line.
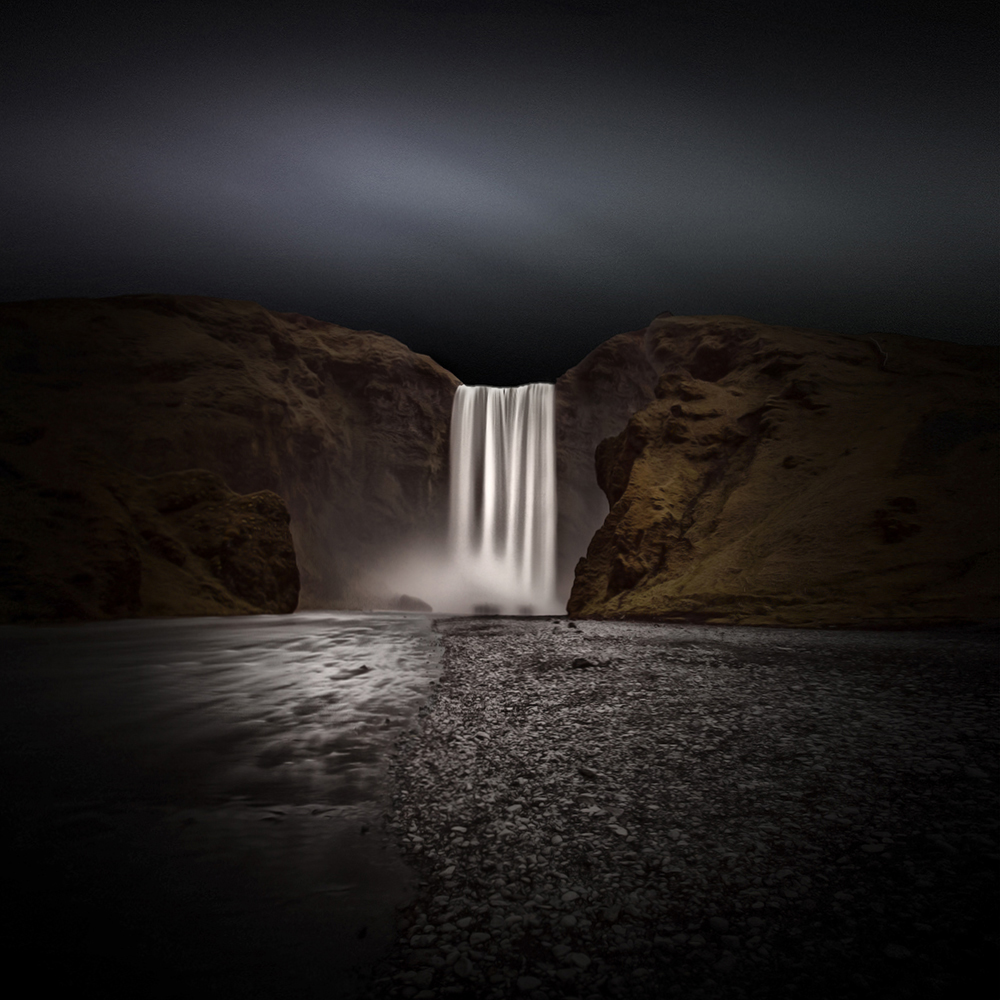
x=190, y=807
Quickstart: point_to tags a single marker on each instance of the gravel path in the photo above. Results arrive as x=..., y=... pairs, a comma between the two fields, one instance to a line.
x=608, y=809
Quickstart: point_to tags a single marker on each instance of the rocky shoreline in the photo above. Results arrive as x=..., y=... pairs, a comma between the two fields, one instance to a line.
x=610, y=809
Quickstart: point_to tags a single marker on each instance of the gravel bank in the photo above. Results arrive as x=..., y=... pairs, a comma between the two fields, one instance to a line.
x=608, y=809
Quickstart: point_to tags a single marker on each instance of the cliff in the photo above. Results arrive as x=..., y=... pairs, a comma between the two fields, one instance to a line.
x=348, y=428
x=85, y=540
x=594, y=400
x=788, y=476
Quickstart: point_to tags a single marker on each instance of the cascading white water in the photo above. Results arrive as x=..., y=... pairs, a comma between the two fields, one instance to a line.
x=502, y=523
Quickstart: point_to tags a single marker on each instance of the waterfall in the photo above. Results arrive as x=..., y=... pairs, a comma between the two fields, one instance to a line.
x=502, y=527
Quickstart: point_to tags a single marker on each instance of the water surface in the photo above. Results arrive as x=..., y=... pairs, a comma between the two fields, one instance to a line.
x=190, y=806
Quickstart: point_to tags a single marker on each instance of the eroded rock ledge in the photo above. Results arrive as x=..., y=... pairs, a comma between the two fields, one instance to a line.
x=94, y=541
x=797, y=477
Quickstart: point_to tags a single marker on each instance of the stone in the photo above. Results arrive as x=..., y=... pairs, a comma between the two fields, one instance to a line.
x=725, y=964
x=177, y=544
x=406, y=603
x=527, y=983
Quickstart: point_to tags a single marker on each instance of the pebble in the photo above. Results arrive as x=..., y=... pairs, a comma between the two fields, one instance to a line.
x=691, y=874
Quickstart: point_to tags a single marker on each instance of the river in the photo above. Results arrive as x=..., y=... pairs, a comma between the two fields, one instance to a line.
x=191, y=806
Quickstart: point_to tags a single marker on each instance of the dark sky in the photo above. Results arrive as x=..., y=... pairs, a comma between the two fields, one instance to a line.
x=504, y=185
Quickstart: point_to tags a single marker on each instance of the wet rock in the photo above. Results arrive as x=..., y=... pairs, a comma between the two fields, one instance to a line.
x=406, y=603
x=463, y=967
x=725, y=964
x=729, y=835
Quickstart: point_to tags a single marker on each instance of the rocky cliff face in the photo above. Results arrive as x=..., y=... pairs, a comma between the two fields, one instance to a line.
x=594, y=400
x=786, y=476
x=84, y=539
x=348, y=428
x=755, y=474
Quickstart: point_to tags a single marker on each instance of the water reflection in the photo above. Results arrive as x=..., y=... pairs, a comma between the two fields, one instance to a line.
x=190, y=804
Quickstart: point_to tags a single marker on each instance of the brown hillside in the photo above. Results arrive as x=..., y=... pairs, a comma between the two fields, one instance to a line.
x=348, y=428
x=787, y=476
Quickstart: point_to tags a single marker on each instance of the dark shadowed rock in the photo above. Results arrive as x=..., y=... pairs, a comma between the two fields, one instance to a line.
x=349, y=428
x=82, y=539
x=787, y=476
x=406, y=603
x=594, y=400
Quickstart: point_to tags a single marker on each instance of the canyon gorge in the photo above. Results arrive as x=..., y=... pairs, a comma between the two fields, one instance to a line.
x=178, y=455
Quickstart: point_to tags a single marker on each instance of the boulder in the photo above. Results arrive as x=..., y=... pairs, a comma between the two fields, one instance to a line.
x=786, y=476
x=81, y=539
x=406, y=603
